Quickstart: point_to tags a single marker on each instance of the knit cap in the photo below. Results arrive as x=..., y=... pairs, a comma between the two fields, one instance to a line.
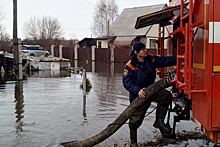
x=137, y=46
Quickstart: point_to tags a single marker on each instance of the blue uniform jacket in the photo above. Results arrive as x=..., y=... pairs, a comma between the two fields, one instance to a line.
x=143, y=74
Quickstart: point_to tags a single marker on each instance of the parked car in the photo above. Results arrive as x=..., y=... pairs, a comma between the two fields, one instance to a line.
x=34, y=50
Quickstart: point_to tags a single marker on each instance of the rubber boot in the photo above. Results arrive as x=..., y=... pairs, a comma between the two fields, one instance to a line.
x=160, y=116
x=133, y=137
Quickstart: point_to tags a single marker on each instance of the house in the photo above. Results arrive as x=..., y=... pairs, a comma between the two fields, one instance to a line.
x=99, y=42
x=117, y=46
x=126, y=33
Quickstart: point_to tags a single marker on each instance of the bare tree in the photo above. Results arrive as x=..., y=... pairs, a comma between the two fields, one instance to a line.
x=45, y=28
x=106, y=12
x=4, y=39
x=4, y=36
x=2, y=13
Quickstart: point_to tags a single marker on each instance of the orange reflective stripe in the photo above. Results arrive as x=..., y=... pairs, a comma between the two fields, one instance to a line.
x=131, y=66
x=153, y=58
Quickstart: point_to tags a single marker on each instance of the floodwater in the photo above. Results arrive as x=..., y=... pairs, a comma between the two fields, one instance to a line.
x=50, y=109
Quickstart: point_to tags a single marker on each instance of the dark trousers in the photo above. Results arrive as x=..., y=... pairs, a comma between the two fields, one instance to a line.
x=162, y=98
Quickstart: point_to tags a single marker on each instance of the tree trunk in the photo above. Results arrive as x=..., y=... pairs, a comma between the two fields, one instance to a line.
x=121, y=119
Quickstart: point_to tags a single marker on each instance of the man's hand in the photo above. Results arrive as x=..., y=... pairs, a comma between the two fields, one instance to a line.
x=141, y=93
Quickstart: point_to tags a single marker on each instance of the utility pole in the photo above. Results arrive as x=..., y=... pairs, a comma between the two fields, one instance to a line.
x=17, y=56
x=108, y=28
x=15, y=37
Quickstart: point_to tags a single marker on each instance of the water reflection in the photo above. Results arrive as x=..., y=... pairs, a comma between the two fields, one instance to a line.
x=106, y=83
x=49, y=74
x=19, y=106
x=4, y=78
x=98, y=67
x=106, y=90
x=84, y=109
x=2, y=82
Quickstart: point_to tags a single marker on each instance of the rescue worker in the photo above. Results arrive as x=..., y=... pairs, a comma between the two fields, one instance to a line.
x=139, y=73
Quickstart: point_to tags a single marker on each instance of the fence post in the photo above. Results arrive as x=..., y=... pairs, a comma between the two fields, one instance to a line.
x=61, y=51
x=93, y=52
x=76, y=56
x=93, y=66
x=112, y=52
x=52, y=50
x=76, y=52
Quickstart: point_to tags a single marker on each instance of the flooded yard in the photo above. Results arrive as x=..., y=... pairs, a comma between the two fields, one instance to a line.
x=52, y=110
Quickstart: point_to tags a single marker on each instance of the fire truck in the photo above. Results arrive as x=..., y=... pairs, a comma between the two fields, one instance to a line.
x=193, y=32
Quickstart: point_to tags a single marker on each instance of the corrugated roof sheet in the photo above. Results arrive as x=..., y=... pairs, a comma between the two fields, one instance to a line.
x=124, y=25
x=123, y=41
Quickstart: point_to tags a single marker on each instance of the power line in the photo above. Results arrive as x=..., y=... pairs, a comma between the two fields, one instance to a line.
x=89, y=2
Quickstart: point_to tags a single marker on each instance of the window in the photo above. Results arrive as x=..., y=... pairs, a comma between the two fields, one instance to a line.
x=32, y=48
x=24, y=48
x=40, y=48
x=153, y=43
x=99, y=44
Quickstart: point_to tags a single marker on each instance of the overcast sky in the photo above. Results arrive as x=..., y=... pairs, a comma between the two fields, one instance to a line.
x=75, y=16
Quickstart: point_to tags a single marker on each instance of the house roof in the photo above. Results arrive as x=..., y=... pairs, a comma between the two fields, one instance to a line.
x=123, y=41
x=92, y=41
x=124, y=25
